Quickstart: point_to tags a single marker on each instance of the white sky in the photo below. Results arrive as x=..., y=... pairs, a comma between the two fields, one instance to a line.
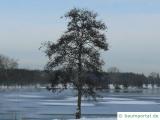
x=133, y=31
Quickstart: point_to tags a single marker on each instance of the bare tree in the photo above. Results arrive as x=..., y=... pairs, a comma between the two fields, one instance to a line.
x=7, y=63
x=113, y=70
x=153, y=77
x=114, y=76
x=77, y=53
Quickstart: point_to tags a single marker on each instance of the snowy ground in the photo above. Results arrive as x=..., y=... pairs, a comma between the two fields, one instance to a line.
x=92, y=119
x=39, y=104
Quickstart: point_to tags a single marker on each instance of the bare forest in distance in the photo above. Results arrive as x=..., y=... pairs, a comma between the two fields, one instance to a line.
x=11, y=75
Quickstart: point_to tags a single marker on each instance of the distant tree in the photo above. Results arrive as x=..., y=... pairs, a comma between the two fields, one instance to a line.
x=7, y=63
x=124, y=80
x=158, y=80
x=77, y=52
x=116, y=81
x=23, y=77
x=113, y=70
x=139, y=80
x=153, y=78
x=114, y=77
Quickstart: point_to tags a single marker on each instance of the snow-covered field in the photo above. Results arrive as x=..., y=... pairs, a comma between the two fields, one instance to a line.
x=40, y=104
x=92, y=119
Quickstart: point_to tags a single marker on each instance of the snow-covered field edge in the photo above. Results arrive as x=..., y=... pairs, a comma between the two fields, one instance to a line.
x=92, y=119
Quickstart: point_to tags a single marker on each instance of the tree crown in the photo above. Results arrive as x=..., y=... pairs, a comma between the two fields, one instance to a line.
x=76, y=52
x=84, y=36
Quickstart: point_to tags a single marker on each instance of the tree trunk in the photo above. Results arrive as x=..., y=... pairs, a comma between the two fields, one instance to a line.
x=78, y=112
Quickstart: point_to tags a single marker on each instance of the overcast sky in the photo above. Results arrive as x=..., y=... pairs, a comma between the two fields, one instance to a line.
x=133, y=31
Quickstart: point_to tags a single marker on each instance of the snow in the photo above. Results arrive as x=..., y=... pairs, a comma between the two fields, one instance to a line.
x=44, y=105
x=15, y=100
x=24, y=96
x=61, y=100
x=129, y=102
x=30, y=96
x=91, y=119
x=104, y=98
x=113, y=98
x=64, y=104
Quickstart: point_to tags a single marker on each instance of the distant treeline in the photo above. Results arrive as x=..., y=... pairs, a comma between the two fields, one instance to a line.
x=133, y=80
x=24, y=77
